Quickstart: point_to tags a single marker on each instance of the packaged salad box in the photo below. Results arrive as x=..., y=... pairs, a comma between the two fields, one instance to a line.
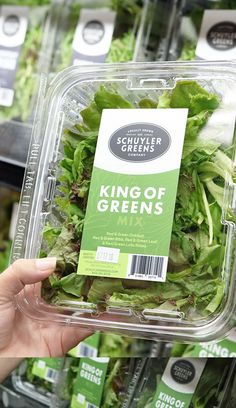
x=204, y=29
x=12, y=399
x=44, y=380
x=97, y=31
x=184, y=382
x=24, y=52
x=143, y=224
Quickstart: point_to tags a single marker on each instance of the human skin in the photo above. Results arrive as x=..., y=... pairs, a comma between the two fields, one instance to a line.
x=21, y=336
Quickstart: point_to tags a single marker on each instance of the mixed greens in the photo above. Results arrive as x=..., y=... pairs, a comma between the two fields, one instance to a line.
x=123, y=42
x=195, y=277
x=193, y=13
x=207, y=394
x=26, y=80
x=7, y=199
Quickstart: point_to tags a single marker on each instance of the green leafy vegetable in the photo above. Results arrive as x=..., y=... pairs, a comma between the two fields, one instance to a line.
x=195, y=278
x=124, y=36
x=26, y=76
x=194, y=15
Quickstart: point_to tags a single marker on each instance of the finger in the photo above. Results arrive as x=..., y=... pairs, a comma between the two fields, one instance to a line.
x=23, y=272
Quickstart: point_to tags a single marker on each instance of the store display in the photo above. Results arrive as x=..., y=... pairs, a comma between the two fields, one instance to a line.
x=194, y=383
x=130, y=184
x=96, y=31
x=187, y=29
x=17, y=93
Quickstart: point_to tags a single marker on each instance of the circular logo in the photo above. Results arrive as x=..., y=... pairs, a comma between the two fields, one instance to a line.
x=93, y=32
x=182, y=371
x=11, y=25
x=222, y=36
x=139, y=142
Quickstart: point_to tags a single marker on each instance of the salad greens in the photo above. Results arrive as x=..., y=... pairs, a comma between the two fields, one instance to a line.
x=7, y=198
x=123, y=43
x=25, y=82
x=194, y=13
x=208, y=391
x=195, y=277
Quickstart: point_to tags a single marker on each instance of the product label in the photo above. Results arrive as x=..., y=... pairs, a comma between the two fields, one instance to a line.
x=88, y=388
x=224, y=348
x=13, y=27
x=132, y=196
x=217, y=39
x=87, y=348
x=47, y=368
x=93, y=35
x=178, y=383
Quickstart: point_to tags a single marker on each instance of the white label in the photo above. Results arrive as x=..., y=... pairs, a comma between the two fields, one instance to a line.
x=217, y=39
x=183, y=374
x=41, y=364
x=107, y=254
x=172, y=120
x=13, y=27
x=81, y=398
x=93, y=35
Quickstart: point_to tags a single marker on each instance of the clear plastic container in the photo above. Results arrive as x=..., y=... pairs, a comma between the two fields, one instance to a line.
x=44, y=391
x=9, y=197
x=11, y=399
x=127, y=33
x=34, y=57
x=212, y=390
x=197, y=300
x=187, y=26
x=159, y=20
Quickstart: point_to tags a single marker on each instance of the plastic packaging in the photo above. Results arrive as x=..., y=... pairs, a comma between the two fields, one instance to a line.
x=9, y=198
x=122, y=41
x=197, y=300
x=212, y=390
x=34, y=57
x=187, y=26
x=51, y=391
x=159, y=20
x=11, y=399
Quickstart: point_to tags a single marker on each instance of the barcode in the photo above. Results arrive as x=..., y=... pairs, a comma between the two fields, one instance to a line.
x=86, y=351
x=91, y=405
x=51, y=375
x=148, y=267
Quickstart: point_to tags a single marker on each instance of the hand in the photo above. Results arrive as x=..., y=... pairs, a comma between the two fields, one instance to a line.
x=7, y=366
x=21, y=336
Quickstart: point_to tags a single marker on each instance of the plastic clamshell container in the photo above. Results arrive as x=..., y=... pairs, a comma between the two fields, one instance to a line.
x=11, y=399
x=34, y=58
x=187, y=26
x=217, y=387
x=127, y=35
x=59, y=107
x=38, y=393
x=159, y=19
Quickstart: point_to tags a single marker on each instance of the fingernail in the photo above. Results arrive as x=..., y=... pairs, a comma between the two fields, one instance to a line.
x=45, y=264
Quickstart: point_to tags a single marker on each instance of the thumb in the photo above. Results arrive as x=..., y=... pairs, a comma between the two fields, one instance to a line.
x=23, y=272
